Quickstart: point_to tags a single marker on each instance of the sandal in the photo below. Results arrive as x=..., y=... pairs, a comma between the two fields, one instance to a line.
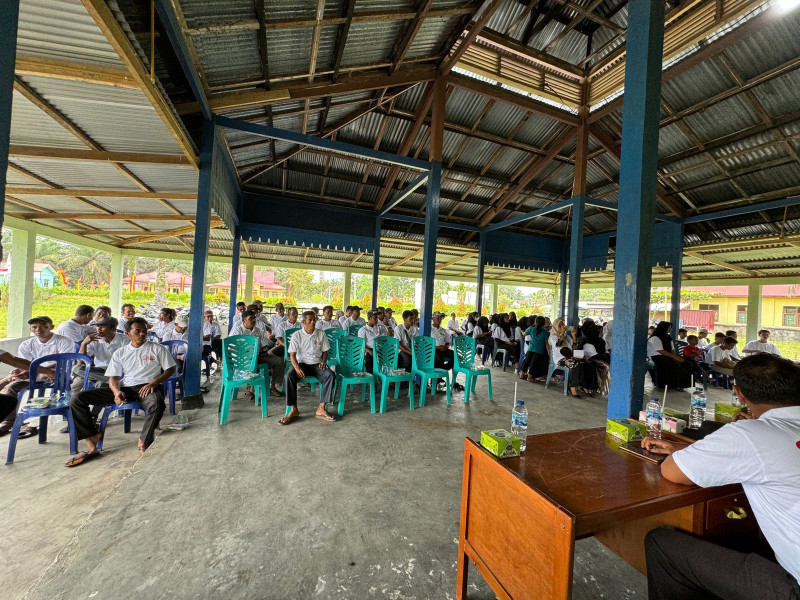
x=327, y=417
x=26, y=432
x=290, y=418
x=81, y=458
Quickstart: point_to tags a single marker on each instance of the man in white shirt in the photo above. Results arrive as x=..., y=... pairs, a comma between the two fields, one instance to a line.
x=77, y=327
x=142, y=366
x=278, y=318
x=355, y=318
x=249, y=326
x=702, y=338
x=404, y=335
x=237, y=316
x=760, y=451
x=348, y=312
x=372, y=329
x=291, y=322
x=308, y=351
x=735, y=350
x=166, y=322
x=212, y=335
x=719, y=357
x=128, y=312
x=390, y=320
x=100, y=346
x=179, y=331
x=452, y=325
x=761, y=345
x=327, y=321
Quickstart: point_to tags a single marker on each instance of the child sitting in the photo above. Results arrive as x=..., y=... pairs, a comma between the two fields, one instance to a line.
x=692, y=350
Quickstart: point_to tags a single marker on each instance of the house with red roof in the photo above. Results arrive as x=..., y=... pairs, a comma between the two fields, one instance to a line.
x=780, y=304
x=177, y=283
x=264, y=285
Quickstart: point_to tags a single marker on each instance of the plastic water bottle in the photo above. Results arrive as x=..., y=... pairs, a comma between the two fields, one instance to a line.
x=519, y=423
x=63, y=400
x=697, y=412
x=654, y=418
x=735, y=400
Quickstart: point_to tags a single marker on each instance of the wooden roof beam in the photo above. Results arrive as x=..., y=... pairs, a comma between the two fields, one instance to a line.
x=54, y=68
x=143, y=158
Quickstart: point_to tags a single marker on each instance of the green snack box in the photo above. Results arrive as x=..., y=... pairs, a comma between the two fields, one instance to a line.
x=501, y=443
x=676, y=414
x=723, y=413
x=625, y=429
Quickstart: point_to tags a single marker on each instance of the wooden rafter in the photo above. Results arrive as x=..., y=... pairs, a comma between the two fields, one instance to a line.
x=31, y=191
x=406, y=258
x=341, y=41
x=263, y=54
x=312, y=62
x=720, y=263
x=474, y=31
x=45, y=216
x=143, y=158
x=406, y=39
x=160, y=235
x=73, y=71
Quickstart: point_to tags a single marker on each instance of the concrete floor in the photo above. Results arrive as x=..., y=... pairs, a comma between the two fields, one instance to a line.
x=364, y=508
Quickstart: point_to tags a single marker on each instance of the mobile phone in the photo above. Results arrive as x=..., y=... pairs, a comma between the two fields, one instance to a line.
x=636, y=448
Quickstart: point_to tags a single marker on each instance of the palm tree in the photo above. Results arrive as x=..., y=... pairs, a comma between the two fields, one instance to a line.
x=160, y=299
x=77, y=262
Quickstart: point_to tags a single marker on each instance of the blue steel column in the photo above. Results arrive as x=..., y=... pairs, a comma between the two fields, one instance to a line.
x=677, y=276
x=193, y=398
x=9, y=17
x=562, y=294
x=481, y=259
x=429, y=254
x=237, y=249
x=376, y=262
x=575, y=258
x=637, y=199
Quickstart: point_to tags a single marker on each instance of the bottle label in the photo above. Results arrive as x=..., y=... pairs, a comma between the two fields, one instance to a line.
x=519, y=422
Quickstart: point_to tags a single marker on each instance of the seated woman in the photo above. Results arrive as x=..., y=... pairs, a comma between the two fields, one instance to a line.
x=595, y=372
x=483, y=335
x=536, y=370
x=559, y=341
x=671, y=370
x=504, y=339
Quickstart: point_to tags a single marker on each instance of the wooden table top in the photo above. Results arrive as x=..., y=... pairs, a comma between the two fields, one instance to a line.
x=584, y=473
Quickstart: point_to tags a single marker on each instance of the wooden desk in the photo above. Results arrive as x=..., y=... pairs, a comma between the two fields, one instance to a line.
x=520, y=517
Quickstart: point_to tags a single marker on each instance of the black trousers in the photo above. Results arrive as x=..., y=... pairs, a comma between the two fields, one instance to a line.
x=443, y=359
x=325, y=377
x=683, y=567
x=404, y=361
x=8, y=405
x=85, y=425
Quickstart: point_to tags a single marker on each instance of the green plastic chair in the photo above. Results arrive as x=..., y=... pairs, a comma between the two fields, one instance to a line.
x=351, y=360
x=423, y=350
x=353, y=330
x=333, y=335
x=464, y=352
x=240, y=353
x=385, y=351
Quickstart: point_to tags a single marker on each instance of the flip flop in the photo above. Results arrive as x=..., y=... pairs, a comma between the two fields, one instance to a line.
x=81, y=458
x=290, y=418
x=26, y=432
x=327, y=417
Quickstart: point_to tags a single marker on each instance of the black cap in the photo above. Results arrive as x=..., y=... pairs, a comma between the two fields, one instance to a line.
x=107, y=322
x=33, y=320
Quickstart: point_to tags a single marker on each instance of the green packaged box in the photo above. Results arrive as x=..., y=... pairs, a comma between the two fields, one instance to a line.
x=625, y=429
x=723, y=413
x=501, y=443
x=676, y=414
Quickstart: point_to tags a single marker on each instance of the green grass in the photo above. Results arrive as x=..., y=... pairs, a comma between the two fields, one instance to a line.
x=789, y=349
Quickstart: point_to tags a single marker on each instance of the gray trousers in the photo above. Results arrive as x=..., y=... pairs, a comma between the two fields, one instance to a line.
x=96, y=374
x=325, y=377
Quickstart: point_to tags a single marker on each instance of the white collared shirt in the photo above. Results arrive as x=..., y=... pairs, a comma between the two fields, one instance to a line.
x=276, y=320
x=369, y=333
x=257, y=331
x=32, y=348
x=440, y=335
x=211, y=329
x=140, y=365
x=283, y=326
x=452, y=325
x=390, y=322
x=349, y=322
x=73, y=330
x=101, y=350
x=172, y=334
x=764, y=457
x=403, y=335
x=162, y=328
x=324, y=325
x=309, y=347
x=767, y=347
x=717, y=354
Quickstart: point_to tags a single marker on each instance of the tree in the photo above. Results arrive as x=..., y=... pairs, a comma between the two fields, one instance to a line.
x=78, y=262
x=160, y=299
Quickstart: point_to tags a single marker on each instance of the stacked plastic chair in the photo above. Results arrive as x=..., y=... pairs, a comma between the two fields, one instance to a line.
x=385, y=351
x=240, y=353
x=423, y=352
x=171, y=385
x=351, y=361
x=464, y=355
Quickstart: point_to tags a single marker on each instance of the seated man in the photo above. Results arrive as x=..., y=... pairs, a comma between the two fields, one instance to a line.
x=390, y=321
x=77, y=328
x=212, y=335
x=276, y=319
x=128, y=312
x=179, y=330
x=452, y=325
x=291, y=322
x=702, y=338
x=368, y=333
x=327, y=321
x=734, y=351
x=100, y=346
x=8, y=403
x=142, y=366
x=719, y=357
x=237, y=316
x=403, y=335
x=681, y=341
x=262, y=318
x=100, y=313
x=166, y=322
x=443, y=358
x=355, y=318
x=761, y=345
x=308, y=351
x=761, y=453
x=250, y=327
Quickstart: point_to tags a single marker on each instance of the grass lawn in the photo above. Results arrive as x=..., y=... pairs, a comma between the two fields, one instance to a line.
x=789, y=349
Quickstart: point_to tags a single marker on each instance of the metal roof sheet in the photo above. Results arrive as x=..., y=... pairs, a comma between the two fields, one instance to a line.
x=31, y=125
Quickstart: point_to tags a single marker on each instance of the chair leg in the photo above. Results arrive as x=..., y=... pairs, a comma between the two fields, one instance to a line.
x=172, y=398
x=73, y=436
x=566, y=381
x=103, y=423
x=43, y=429
x=363, y=393
x=410, y=394
x=227, y=398
x=371, y=395
x=384, y=393
x=422, y=389
x=264, y=395
x=448, y=388
x=12, y=442
x=342, y=394
x=489, y=382
x=468, y=382
x=127, y=421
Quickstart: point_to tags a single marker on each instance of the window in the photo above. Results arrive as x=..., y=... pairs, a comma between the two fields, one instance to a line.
x=791, y=316
x=741, y=313
x=714, y=307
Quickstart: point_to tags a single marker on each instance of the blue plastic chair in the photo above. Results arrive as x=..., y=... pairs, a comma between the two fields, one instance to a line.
x=497, y=350
x=552, y=368
x=61, y=384
x=127, y=409
x=171, y=385
x=385, y=351
x=464, y=351
x=351, y=361
x=423, y=352
x=240, y=353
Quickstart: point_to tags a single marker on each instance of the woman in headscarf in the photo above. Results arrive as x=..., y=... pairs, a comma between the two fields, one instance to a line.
x=483, y=335
x=595, y=369
x=504, y=339
x=559, y=340
x=671, y=370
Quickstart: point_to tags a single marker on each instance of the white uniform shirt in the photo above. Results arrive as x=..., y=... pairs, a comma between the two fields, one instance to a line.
x=476, y=331
x=262, y=318
x=403, y=335
x=653, y=346
x=589, y=351
x=761, y=454
x=237, y=318
x=32, y=348
x=162, y=328
x=469, y=328
x=121, y=323
x=555, y=350
x=309, y=346
x=211, y=329
x=102, y=350
x=257, y=331
x=517, y=334
x=607, y=335
x=350, y=321
x=499, y=334
x=441, y=336
x=390, y=322
x=283, y=326
x=703, y=342
x=717, y=354
x=141, y=365
x=172, y=334
x=343, y=321
x=452, y=325
x=370, y=333
x=735, y=353
x=276, y=320
x=73, y=330
x=324, y=325
x=767, y=347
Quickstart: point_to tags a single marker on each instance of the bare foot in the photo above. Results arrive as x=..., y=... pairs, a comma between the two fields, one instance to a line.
x=91, y=443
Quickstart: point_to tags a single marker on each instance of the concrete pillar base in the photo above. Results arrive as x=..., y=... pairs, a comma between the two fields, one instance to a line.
x=192, y=401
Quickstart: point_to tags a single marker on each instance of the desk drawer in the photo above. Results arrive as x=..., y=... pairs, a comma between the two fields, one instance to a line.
x=721, y=515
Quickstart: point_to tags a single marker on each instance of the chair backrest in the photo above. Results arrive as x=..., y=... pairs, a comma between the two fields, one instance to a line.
x=77, y=347
x=62, y=377
x=176, y=348
x=351, y=354
x=239, y=352
x=333, y=335
x=353, y=330
x=287, y=336
x=385, y=351
x=464, y=351
x=152, y=337
x=423, y=349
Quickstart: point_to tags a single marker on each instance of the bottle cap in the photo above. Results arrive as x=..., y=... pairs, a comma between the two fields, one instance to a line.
x=520, y=402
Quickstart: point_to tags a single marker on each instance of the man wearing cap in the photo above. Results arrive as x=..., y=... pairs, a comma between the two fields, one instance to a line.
x=142, y=367
x=100, y=346
x=100, y=313
x=702, y=338
x=355, y=318
x=179, y=330
x=77, y=327
x=372, y=329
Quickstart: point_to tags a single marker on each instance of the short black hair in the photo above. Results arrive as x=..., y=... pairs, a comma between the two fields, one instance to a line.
x=170, y=312
x=731, y=333
x=407, y=314
x=309, y=313
x=682, y=330
x=103, y=307
x=760, y=331
x=689, y=337
x=127, y=304
x=84, y=309
x=718, y=335
x=140, y=320
x=241, y=304
x=768, y=379
x=730, y=340
x=248, y=313
x=326, y=307
x=349, y=307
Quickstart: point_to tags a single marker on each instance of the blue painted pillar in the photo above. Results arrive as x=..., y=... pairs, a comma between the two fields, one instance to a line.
x=481, y=259
x=9, y=17
x=637, y=200
x=575, y=258
x=235, y=254
x=376, y=262
x=677, y=275
x=562, y=293
x=429, y=253
x=193, y=398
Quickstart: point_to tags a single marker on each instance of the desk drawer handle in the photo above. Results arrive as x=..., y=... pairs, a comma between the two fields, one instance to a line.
x=736, y=513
